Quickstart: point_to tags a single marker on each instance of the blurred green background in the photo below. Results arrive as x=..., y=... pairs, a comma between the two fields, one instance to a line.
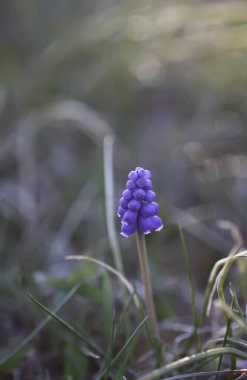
x=168, y=79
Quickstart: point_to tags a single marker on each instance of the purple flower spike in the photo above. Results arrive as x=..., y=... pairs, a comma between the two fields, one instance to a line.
x=128, y=229
x=137, y=209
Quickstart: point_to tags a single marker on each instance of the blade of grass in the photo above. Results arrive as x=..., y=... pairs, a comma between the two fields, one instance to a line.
x=192, y=359
x=127, y=346
x=154, y=343
x=220, y=281
x=238, y=342
x=210, y=289
x=191, y=285
x=75, y=365
x=110, y=349
x=108, y=145
x=236, y=303
x=107, y=303
x=65, y=324
x=124, y=362
x=242, y=324
x=130, y=341
x=36, y=331
x=124, y=313
x=213, y=280
x=121, y=277
x=237, y=372
x=227, y=334
x=109, y=199
x=241, y=376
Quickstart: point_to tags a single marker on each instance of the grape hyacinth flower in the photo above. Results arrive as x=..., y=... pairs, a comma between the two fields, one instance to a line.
x=137, y=208
x=138, y=213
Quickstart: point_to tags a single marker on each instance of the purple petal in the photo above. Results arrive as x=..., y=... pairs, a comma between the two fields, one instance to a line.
x=158, y=224
x=133, y=175
x=148, y=184
x=150, y=196
x=134, y=205
x=144, y=183
x=151, y=223
x=149, y=209
x=128, y=229
x=130, y=184
x=141, y=182
x=123, y=203
x=139, y=194
x=127, y=194
x=141, y=172
x=121, y=211
x=130, y=216
x=146, y=224
x=148, y=174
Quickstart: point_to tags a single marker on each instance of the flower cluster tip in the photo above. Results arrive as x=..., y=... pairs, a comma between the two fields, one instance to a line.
x=137, y=208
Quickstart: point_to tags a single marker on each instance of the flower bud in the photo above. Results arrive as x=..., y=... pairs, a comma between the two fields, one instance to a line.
x=150, y=196
x=130, y=217
x=133, y=175
x=149, y=209
x=139, y=194
x=121, y=211
x=151, y=223
x=127, y=194
x=123, y=203
x=130, y=184
x=134, y=205
x=128, y=229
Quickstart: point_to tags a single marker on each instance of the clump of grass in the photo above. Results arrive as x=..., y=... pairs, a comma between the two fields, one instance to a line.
x=118, y=352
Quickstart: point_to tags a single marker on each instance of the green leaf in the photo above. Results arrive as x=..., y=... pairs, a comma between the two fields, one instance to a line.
x=4, y=362
x=75, y=362
x=192, y=359
x=191, y=285
x=69, y=327
x=130, y=342
x=107, y=303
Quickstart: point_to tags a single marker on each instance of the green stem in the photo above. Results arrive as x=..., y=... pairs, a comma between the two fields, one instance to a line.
x=143, y=259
